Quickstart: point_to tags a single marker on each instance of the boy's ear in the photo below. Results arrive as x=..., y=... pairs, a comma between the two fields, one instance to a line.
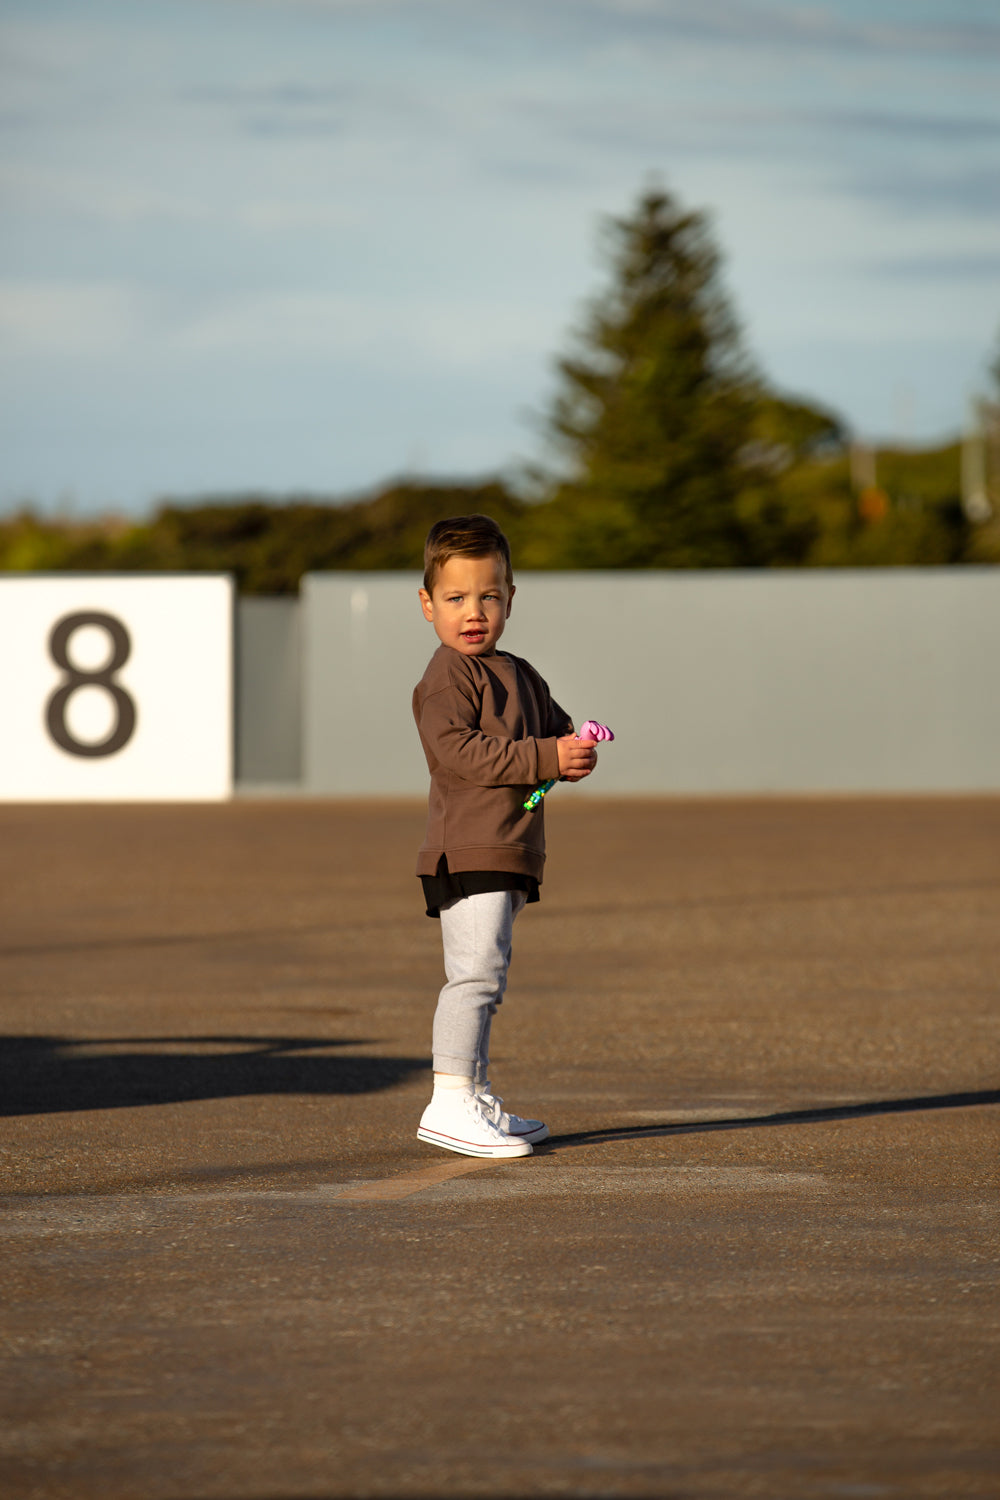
x=426, y=604
x=510, y=600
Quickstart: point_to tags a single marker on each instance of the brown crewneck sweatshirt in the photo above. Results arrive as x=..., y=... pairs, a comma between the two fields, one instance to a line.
x=489, y=726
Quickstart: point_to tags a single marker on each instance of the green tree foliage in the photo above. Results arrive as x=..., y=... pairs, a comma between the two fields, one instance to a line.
x=985, y=542
x=674, y=453
x=268, y=546
x=917, y=519
x=656, y=406
x=804, y=512
x=794, y=463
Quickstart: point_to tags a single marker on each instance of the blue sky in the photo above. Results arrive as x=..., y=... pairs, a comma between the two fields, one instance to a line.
x=310, y=245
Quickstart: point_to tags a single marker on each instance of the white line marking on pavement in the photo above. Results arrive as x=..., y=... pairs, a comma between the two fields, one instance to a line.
x=411, y=1182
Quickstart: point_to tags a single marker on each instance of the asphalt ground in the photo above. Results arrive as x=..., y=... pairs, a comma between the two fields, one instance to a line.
x=758, y=1256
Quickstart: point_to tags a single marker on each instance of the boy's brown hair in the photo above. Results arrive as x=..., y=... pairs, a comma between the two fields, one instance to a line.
x=464, y=536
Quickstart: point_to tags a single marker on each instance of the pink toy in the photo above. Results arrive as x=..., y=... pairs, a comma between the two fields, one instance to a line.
x=589, y=730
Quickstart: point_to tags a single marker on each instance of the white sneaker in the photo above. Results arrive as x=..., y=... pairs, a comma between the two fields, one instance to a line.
x=523, y=1130
x=464, y=1125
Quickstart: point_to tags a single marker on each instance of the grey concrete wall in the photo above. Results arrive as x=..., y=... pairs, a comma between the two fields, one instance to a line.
x=881, y=680
x=268, y=742
x=365, y=645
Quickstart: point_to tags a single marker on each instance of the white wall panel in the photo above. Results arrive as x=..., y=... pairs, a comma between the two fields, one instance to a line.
x=115, y=688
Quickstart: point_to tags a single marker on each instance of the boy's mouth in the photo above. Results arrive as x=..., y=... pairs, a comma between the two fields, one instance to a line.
x=473, y=635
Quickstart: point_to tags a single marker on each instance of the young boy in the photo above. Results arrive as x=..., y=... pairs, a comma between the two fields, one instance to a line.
x=491, y=732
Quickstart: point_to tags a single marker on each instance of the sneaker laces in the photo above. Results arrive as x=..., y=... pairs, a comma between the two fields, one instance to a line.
x=494, y=1110
x=477, y=1106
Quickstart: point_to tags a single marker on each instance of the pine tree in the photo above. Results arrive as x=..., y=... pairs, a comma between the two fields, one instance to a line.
x=656, y=408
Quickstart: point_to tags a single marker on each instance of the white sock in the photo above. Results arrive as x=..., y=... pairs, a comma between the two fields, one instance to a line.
x=452, y=1085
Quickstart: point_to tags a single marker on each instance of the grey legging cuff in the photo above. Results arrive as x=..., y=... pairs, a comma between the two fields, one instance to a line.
x=476, y=932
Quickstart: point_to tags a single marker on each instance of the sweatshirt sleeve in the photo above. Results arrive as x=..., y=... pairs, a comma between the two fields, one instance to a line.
x=555, y=718
x=448, y=722
x=560, y=722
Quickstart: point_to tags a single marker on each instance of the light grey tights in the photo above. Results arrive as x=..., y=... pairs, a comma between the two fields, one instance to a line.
x=476, y=932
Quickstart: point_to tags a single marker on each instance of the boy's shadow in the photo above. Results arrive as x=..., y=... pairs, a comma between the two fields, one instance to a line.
x=52, y=1074
x=814, y=1116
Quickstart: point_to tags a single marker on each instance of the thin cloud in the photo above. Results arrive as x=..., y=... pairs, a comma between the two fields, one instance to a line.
x=449, y=334
x=532, y=171
x=299, y=110
x=961, y=129
x=93, y=196
x=68, y=318
x=794, y=27
x=279, y=128
x=926, y=191
x=972, y=267
x=284, y=95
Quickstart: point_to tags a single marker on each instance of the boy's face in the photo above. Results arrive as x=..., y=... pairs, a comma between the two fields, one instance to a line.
x=469, y=604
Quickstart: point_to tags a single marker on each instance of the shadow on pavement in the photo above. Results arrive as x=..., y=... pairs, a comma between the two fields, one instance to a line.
x=783, y=1117
x=51, y=1074
x=126, y=942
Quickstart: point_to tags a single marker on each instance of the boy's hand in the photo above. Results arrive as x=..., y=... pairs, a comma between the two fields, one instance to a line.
x=577, y=758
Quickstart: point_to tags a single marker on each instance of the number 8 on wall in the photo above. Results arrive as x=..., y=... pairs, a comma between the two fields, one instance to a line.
x=104, y=677
x=147, y=660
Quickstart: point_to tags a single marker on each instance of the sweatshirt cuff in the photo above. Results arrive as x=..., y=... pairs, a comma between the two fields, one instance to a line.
x=548, y=759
